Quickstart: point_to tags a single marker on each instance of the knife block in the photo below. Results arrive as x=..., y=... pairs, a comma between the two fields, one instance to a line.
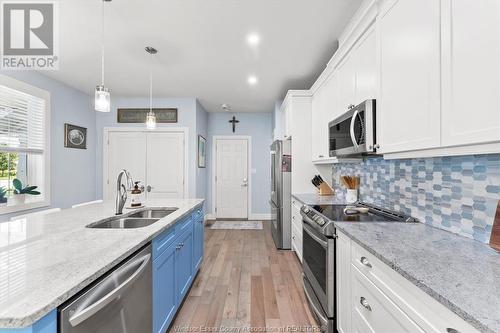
x=324, y=189
x=495, y=231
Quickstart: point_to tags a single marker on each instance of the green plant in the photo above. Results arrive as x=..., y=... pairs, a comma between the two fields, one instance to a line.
x=19, y=189
x=3, y=192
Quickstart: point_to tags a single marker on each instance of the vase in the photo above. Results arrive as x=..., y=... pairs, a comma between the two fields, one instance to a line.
x=351, y=196
x=18, y=199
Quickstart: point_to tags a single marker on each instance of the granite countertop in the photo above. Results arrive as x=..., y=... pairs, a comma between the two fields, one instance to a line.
x=46, y=259
x=316, y=199
x=460, y=273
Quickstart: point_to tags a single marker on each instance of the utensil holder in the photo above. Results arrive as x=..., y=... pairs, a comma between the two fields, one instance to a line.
x=351, y=196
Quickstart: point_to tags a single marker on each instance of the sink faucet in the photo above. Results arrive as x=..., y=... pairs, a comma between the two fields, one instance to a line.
x=121, y=191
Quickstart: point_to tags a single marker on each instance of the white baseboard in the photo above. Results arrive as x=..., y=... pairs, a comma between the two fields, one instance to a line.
x=259, y=217
x=211, y=216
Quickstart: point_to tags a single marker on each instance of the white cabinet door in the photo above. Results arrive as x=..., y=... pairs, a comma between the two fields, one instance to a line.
x=471, y=72
x=409, y=104
x=347, y=84
x=331, y=110
x=126, y=150
x=165, y=165
x=344, y=308
x=319, y=127
x=365, y=61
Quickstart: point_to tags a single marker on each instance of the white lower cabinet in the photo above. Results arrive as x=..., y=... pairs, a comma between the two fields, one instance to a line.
x=297, y=228
x=373, y=298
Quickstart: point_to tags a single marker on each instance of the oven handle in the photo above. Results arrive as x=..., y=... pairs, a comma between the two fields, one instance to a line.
x=353, y=136
x=314, y=306
x=310, y=232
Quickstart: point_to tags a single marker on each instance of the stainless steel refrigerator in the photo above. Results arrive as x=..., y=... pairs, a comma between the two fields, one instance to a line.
x=281, y=168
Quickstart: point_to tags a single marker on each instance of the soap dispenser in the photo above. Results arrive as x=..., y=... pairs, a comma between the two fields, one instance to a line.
x=136, y=196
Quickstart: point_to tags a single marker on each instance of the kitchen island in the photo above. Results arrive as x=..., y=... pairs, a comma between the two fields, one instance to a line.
x=47, y=259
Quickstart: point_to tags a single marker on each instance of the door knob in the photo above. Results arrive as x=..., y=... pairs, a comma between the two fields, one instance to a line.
x=245, y=182
x=149, y=188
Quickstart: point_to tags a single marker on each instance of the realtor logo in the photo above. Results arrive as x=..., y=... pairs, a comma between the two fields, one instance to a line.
x=29, y=35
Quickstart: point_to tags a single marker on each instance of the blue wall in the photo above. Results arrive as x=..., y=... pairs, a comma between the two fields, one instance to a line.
x=201, y=173
x=458, y=194
x=68, y=105
x=259, y=127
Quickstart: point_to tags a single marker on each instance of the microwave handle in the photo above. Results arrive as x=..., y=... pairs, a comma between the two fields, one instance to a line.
x=353, y=136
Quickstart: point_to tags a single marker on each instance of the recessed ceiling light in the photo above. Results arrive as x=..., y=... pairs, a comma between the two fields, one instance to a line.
x=253, y=39
x=252, y=80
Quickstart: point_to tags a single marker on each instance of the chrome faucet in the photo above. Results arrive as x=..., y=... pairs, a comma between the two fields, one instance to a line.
x=121, y=191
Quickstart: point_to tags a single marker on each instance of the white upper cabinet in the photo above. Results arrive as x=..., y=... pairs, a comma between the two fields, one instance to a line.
x=319, y=124
x=347, y=83
x=471, y=72
x=408, y=110
x=365, y=60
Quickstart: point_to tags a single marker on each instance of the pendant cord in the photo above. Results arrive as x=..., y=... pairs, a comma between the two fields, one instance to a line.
x=102, y=45
x=151, y=85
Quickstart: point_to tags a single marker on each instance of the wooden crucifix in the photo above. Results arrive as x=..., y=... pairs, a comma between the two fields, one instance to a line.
x=234, y=122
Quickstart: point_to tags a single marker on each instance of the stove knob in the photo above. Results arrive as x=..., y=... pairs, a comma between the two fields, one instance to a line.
x=306, y=209
x=320, y=221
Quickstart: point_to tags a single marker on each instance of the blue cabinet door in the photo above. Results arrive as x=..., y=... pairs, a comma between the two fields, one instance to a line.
x=184, y=263
x=198, y=239
x=164, y=288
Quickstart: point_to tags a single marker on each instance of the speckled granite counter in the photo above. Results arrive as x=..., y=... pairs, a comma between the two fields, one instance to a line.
x=460, y=273
x=45, y=260
x=316, y=199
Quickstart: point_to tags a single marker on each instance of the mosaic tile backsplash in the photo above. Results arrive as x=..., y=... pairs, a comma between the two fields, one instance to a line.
x=458, y=194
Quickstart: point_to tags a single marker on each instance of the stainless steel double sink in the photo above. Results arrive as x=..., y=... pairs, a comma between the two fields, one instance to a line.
x=139, y=219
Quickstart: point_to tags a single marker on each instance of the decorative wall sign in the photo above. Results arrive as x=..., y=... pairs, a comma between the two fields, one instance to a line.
x=202, y=152
x=75, y=136
x=163, y=115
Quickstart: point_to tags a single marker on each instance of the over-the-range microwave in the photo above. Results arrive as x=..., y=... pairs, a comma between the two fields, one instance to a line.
x=354, y=133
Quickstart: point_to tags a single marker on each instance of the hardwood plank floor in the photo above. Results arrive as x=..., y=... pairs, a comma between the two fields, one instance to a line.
x=245, y=285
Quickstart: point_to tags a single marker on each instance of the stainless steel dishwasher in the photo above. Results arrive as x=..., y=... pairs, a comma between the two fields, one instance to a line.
x=119, y=302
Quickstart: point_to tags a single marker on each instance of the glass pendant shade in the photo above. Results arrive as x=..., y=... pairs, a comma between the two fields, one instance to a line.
x=102, y=101
x=151, y=120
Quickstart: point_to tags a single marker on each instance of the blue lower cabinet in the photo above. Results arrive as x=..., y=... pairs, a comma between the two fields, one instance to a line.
x=184, y=263
x=164, y=291
x=198, y=236
x=47, y=324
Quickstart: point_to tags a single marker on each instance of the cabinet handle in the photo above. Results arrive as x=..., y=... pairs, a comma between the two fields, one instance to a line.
x=178, y=247
x=377, y=146
x=320, y=156
x=365, y=262
x=451, y=330
x=364, y=303
x=351, y=106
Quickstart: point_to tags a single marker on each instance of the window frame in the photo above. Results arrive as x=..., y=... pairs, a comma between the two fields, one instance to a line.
x=43, y=94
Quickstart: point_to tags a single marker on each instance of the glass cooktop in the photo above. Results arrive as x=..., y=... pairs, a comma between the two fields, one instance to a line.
x=336, y=213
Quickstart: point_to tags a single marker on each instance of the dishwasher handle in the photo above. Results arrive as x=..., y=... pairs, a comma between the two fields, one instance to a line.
x=91, y=310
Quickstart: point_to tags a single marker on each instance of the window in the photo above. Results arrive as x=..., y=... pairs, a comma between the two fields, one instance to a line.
x=24, y=149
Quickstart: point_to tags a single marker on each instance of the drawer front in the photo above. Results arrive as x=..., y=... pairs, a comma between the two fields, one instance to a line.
x=376, y=309
x=297, y=241
x=162, y=241
x=184, y=224
x=428, y=313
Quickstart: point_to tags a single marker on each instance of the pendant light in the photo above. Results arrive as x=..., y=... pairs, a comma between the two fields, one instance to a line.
x=102, y=102
x=151, y=117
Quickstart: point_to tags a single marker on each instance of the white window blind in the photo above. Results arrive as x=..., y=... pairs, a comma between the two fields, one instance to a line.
x=21, y=121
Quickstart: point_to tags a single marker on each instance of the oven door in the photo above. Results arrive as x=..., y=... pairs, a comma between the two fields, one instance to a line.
x=318, y=263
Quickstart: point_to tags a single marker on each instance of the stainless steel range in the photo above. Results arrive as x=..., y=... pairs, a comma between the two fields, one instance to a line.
x=318, y=242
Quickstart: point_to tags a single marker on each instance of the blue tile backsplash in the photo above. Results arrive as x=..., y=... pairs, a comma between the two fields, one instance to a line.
x=458, y=193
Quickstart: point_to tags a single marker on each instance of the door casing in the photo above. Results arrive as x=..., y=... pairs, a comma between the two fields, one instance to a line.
x=214, y=169
x=105, y=152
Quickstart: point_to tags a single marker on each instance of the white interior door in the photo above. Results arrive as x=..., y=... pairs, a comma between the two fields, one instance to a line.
x=165, y=164
x=231, y=180
x=126, y=150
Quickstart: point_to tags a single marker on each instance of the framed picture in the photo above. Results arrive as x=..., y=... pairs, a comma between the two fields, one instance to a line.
x=75, y=136
x=163, y=115
x=202, y=152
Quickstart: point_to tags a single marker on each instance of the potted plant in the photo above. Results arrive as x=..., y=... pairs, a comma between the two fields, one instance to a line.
x=20, y=192
x=3, y=196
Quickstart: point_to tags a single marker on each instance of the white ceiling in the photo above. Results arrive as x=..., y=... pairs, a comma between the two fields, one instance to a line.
x=202, y=47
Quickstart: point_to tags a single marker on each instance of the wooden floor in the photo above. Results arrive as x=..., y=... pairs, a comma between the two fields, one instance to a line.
x=245, y=285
